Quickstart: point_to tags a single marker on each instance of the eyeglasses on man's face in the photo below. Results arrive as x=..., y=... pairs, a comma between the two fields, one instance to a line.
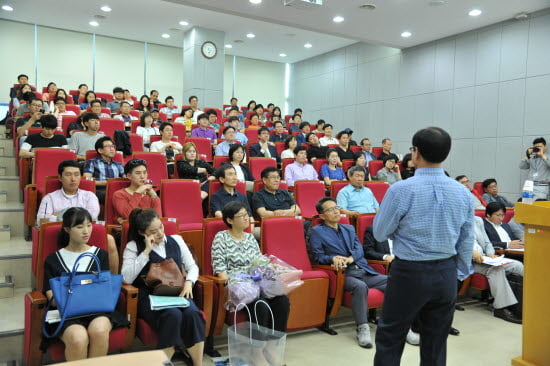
x=330, y=209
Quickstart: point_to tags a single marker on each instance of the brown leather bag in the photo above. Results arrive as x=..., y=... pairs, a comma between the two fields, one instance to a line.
x=165, y=278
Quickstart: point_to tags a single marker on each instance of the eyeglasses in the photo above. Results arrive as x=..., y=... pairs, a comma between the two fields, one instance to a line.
x=499, y=215
x=274, y=177
x=333, y=208
x=36, y=105
x=242, y=216
x=108, y=146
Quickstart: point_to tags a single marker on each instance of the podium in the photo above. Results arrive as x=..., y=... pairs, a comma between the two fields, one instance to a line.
x=536, y=284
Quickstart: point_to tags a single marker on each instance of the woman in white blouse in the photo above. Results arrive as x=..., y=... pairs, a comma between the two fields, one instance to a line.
x=146, y=129
x=149, y=244
x=290, y=144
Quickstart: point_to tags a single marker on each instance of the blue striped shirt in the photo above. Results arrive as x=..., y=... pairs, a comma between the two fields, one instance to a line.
x=102, y=170
x=429, y=216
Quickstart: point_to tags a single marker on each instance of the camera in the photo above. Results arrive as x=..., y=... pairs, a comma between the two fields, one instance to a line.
x=42, y=110
x=536, y=149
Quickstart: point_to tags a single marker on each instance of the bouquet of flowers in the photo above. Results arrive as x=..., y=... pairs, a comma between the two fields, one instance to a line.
x=276, y=276
x=243, y=289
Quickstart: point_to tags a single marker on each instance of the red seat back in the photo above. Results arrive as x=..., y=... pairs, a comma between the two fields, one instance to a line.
x=280, y=146
x=180, y=131
x=187, y=208
x=137, y=142
x=66, y=121
x=306, y=194
x=317, y=164
x=478, y=187
x=134, y=113
x=257, y=165
x=52, y=184
x=46, y=161
x=203, y=145
x=362, y=223
x=377, y=151
x=220, y=159
x=355, y=148
x=335, y=187
x=346, y=164
x=135, y=125
x=284, y=163
x=108, y=126
x=284, y=238
x=92, y=154
x=113, y=185
x=509, y=214
x=251, y=134
x=105, y=96
x=375, y=166
x=156, y=165
x=481, y=213
x=210, y=227
x=74, y=108
x=378, y=189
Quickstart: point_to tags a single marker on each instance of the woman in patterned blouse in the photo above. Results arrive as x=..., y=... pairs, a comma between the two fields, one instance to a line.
x=232, y=252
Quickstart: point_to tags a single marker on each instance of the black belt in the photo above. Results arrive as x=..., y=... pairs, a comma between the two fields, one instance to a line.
x=428, y=261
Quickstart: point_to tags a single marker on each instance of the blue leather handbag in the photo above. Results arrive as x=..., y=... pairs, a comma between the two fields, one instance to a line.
x=80, y=294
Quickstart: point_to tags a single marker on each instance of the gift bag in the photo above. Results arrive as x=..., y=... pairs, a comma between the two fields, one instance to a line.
x=251, y=344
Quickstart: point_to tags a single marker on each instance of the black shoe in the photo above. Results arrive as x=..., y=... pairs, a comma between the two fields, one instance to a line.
x=459, y=307
x=454, y=331
x=507, y=315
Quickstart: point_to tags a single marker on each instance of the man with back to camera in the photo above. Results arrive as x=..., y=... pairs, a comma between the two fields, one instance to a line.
x=538, y=164
x=430, y=219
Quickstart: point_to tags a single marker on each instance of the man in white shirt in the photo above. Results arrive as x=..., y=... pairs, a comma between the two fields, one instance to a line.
x=328, y=139
x=170, y=108
x=193, y=102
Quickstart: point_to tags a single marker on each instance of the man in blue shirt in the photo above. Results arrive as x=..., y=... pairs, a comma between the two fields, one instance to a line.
x=356, y=199
x=227, y=176
x=430, y=219
x=103, y=167
x=229, y=136
x=337, y=244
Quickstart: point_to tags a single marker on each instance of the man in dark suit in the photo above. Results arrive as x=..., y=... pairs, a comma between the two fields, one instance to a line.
x=500, y=233
x=264, y=148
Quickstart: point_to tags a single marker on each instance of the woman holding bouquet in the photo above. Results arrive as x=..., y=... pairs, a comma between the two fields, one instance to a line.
x=233, y=251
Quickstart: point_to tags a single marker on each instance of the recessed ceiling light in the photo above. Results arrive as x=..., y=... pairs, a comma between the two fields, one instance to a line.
x=184, y=23
x=106, y=8
x=367, y=7
x=7, y=7
x=165, y=35
x=255, y=1
x=93, y=23
x=474, y=12
x=338, y=19
x=228, y=46
x=282, y=54
x=308, y=45
x=250, y=35
x=406, y=34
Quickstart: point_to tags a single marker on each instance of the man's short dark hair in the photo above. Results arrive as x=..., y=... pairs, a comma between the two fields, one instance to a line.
x=48, y=121
x=168, y=98
x=459, y=177
x=59, y=99
x=270, y=104
x=363, y=140
x=277, y=122
x=342, y=133
x=88, y=116
x=163, y=125
x=201, y=116
x=494, y=207
x=232, y=99
x=262, y=129
x=321, y=202
x=228, y=128
x=94, y=102
x=385, y=139
x=118, y=89
x=487, y=182
x=185, y=109
x=34, y=98
x=298, y=110
x=22, y=76
x=433, y=144
x=258, y=106
x=321, y=122
x=100, y=141
x=539, y=140
x=67, y=164
x=124, y=102
x=327, y=126
x=297, y=149
x=212, y=111
x=191, y=98
x=269, y=169
x=309, y=135
x=152, y=91
x=220, y=172
x=294, y=116
x=234, y=108
x=303, y=124
x=81, y=85
x=233, y=118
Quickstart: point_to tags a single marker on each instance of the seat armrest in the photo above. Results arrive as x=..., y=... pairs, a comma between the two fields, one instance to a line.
x=35, y=306
x=206, y=303
x=339, y=291
x=385, y=264
x=131, y=294
x=218, y=304
x=464, y=286
x=30, y=199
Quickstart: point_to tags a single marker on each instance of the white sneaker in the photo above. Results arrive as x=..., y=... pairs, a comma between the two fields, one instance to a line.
x=413, y=338
x=363, y=336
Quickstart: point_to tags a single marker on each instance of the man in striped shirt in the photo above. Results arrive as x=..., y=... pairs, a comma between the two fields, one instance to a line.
x=430, y=219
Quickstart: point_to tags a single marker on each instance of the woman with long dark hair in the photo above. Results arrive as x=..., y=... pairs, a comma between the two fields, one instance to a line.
x=237, y=157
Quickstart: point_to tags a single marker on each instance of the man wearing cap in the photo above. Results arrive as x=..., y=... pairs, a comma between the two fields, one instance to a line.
x=156, y=117
x=352, y=142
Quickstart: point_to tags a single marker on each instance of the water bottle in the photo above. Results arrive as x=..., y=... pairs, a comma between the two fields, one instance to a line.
x=527, y=195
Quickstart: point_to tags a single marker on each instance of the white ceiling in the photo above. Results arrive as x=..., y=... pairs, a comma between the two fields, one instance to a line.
x=278, y=29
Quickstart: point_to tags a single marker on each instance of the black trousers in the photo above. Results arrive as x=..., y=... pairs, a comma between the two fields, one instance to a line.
x=280, y=306
x=426, y=289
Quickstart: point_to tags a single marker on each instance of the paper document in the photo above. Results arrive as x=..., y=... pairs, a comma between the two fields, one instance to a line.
x=52, y=316
x=497, y=261
x=516, y=250
x=166, y=302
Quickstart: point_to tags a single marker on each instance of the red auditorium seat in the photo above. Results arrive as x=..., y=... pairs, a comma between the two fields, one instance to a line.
x=257, y=165
x=377, y=151
x=108, y=126
x=219, y=160
x=92, y=154
x=203, y=145
x=306, y=194
x=156, y=165
x=113, y=185
x=379, y=189
x=374, y=167
x=73, y=107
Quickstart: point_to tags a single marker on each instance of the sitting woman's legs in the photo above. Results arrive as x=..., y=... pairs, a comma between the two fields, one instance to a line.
x=75, y=338
x=98, y=334
x=193, y=332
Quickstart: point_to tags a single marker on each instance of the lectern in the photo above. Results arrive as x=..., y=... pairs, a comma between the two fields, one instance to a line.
x=536, y=284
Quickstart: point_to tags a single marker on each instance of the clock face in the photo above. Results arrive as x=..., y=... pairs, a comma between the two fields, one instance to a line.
x=209, y=49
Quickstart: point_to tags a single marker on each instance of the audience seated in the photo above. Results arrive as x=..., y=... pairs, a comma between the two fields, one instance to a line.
x=154, y=98
x=213, y=119
x=46, y=138
x=264, y=148
x=259, y=110
x=51, y=89
x=234, y=102
x=21, y=96
x=125, y=115
x=60, y=110
x=279, y=135
x=276, y=115
x=290, y=145
x=296, y=122
x=300, y=169
x=190, y=167
x=229, y=139
x=319, y=127
x=176, y=327
x=186, y=117
x=17, y=91
x=343, y=149
x=170, y=108
x=375, y=249
x=496, y=275
x=239, y=136
x=500, y=234
x=237, y=156
x=95, y=107
x=331, y=171
x=193, y=102
x=234, y=113
x=355, y=199
x=156, y=117
x=34, y=107
x=366, y=147
x=203, y=130
x=166, y=145
x=389, y=173
x=491, y=193
x=86, y=336
x=146, y=129
x=103, y=167
x=360, y=161
x=386, y=148
x=128, y=97
x=304, y=130
x=408, y=166
x=139, y=194
x=255, y=122
x=272, y=201
x=86, y=140
x=75, y=126
x=227, y=176
x=118, y=95
x=88, y=98
x=337, y=244
x=82, y=91
x=144, y=104
x=462, y=179
x=315, y=151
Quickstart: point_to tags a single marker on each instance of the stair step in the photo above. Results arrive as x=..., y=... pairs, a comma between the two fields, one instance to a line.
x=7, y=287
x=10, y=184
x=12, y=214
x=6, y=145
x=14, y=306
x=8, y=166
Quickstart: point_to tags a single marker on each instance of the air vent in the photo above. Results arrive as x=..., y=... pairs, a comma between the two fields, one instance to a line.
x=303, y=4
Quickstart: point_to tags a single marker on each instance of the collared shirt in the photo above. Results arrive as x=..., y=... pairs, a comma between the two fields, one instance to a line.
x=429, y=216
x=280, y=200
x=239, y=136
x=325, y=141
x=222, y=197
x=296, y=171
x=387, y=175
x=498, y=198
x=278, y=138
x=327, y=242
x=113, y=105
x=58, y=201
x=127, y=119
x=368, y=156
x=223, y=148
x=502, y=234
x=204, y=132
x=232, y=255
x=539, y=169
x=318, y=152
x=102, y=170
x=353, y=199
x=82, y=142
x=169, y=111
